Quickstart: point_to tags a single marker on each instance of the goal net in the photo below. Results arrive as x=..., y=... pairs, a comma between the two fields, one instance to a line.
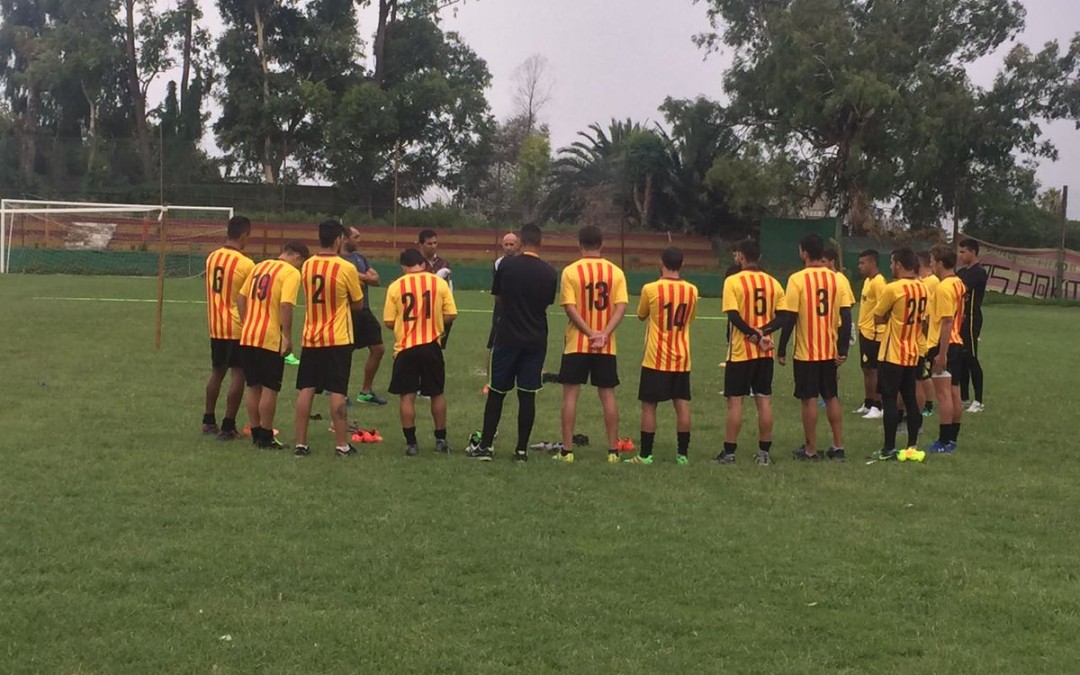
x=50, y=237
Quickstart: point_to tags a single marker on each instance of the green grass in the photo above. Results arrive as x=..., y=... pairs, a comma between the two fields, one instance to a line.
x=128, y=543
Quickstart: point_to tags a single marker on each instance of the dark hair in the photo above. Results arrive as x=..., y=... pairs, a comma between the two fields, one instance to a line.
x=813, y=245
x=734, y=269
x=924, y=257
x=297, y=247
x=750, y=249
x=425, y=235
x=830, y=254
x=238, y=227
x=411, y=257
x=905, y=257
x=329, y=231
x=944, y=254
x=970, y=244
x=590, y=237
x=531, y=235
x=672, y=257
x=871, y=253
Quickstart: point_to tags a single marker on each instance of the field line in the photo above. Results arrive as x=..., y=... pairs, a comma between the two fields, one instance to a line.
x=203, y=302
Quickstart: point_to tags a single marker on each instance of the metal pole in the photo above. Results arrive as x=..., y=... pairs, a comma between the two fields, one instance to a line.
x=160, y=282
x=3, y=247
x=1061, y=250
x=397, y=163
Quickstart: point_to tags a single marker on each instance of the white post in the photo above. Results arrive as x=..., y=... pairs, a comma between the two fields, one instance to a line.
x=3, y=248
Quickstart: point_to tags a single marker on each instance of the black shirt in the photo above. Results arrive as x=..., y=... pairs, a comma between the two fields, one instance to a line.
x=525, y=286
x=975, y=278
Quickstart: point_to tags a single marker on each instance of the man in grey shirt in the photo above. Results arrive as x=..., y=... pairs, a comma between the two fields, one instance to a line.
x=367, y=332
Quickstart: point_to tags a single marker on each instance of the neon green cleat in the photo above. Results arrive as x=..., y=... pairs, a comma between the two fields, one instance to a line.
x=682, y=460
x=639, y=460
x=292, y=360
x=568, y=458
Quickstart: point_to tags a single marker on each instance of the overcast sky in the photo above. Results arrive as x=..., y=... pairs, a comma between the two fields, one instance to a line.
x=621, y=58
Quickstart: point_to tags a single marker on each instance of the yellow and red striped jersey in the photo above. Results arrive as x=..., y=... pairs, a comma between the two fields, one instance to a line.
x=273, y=283
x=813, y=294
x=226, y=271
x=593, y=286
x=331, y=285
x=670, y=305
x=948, y=302
x=417, y=304
x=904, y=303
x=931, y=282
x=755, y=296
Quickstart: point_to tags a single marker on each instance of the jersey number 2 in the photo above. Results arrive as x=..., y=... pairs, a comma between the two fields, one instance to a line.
x=408, y=303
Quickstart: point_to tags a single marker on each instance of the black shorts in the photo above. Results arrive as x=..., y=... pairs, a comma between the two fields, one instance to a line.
x=895, y=379
x=225, y=353
x=366, y=329
x=924, y=368
x=516, y=366
x=599, y=370
x=656, y=386
x=741, y=378
x=868, y=352
x=815, y=378
x=325, y=369
x=970, y=332
x=954, y=361
x=262, y=367
x=419, y=369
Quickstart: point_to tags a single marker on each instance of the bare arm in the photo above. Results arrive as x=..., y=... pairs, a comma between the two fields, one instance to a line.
x=575, y=318
x=241, y=304
x=371, y=277
x=943, y=346
x=286, y=328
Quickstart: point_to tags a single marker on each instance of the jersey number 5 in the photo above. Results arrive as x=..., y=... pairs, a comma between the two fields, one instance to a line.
x=760, y=306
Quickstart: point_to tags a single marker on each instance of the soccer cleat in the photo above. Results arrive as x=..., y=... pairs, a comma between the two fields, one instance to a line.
x=272, y=444
x=370, y=397
x=613, y=457
x=835, y=453
x=350, y=451
x=927, y=413
x=803, y=456
x=441, y=446
x=521, y=455
x=935, y=448
x=639, y=460
x=882, y=456
x=301, y=451
x=682, y=460
x=230, y=435
x=565, y=457
x=861, y=410
x=874, y=413
x=975, y=407
x=950, y=448
x=483, y=454
x=210, y=430
x=291, y=360
x=547, y=446
x=725, y=458
x=412, y=450
x=763, y=458
x=911, y=454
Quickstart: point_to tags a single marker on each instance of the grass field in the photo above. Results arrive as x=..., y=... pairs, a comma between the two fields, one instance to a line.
x=131, y=544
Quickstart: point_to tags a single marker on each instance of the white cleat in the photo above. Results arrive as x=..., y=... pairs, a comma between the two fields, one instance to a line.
x=975, y=407
x=861, y=410
x=873, y=414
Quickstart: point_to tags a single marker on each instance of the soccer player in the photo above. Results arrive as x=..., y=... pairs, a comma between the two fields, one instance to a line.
x=433, y=263
x=227, y=268
x=419, y=309
x=974, y=276
x=832, y=262
x=750, y=301
x=669, y=306
x=366, y=328
x=593, y=295
x=869, y=333
x=511, y=247
x=901, y=308
x=811, y=306
x=524, y=287
x=267, y=307
x=947, y=344
x=925, y=390
x=331, y=293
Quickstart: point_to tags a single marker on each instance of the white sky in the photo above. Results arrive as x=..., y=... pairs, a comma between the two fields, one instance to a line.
x=621, y=58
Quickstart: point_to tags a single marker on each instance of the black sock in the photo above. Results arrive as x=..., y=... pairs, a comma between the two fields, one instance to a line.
x=929, y=407
x=440, y=434
x=410, y=435
x=647, y=438
x=955, y=432
x=764, y=446
x=729, y=448
x=526, y=418
x=209, y=418
x=867, y=403
x=892, y=422
x=943, y=433
x=492, y=414
x=683, y=441
x=256, y=435
x=228, y=424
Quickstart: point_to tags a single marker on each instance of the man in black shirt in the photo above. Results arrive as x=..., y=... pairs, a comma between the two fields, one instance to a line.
x=974, y=277
x=524, y=288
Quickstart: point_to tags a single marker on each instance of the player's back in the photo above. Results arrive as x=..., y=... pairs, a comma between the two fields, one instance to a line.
x=756, y=296
x=594, y=286
x=905, y=301
x=331, y=284
x=813, y=294
x=931, y=282
x=418, y=303
x=272, y=283
x=949, y=303
x=671, y=306
x=227, y=269
x=526, y=286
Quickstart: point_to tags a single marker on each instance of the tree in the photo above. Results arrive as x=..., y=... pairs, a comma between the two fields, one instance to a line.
x=530, y=177
x=532, y=90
